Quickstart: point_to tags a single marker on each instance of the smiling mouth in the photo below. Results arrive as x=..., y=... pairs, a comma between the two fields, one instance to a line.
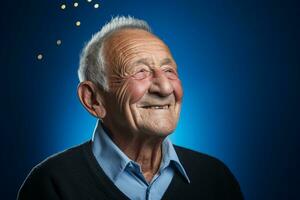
x=157, y=107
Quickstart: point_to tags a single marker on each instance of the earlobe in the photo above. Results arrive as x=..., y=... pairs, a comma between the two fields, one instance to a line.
x=91, y=99
x=100, y=111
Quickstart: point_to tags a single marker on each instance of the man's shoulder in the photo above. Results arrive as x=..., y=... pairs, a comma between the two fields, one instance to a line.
x=62, y=162
x=209, y=173
x=60, y=170
x=195, y=157
x=201, y=164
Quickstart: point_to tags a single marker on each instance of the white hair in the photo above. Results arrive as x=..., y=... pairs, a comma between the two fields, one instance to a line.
x=92, y=63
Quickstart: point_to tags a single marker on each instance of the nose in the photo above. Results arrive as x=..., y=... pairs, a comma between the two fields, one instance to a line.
x=160, y=85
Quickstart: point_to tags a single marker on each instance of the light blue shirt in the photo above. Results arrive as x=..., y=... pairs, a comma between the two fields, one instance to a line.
x=127, y=175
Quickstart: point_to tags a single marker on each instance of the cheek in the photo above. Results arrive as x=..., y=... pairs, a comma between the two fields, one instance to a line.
x=178, y=91
x=137, y=89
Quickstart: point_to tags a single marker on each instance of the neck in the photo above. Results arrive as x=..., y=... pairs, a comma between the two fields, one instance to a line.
x=147, y=151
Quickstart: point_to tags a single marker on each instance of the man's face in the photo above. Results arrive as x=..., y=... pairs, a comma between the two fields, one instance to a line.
x=145, y=92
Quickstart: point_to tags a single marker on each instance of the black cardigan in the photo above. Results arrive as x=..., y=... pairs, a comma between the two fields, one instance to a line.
x=75, y=174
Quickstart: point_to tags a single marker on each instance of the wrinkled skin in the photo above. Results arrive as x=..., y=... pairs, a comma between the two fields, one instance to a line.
x=141, y=73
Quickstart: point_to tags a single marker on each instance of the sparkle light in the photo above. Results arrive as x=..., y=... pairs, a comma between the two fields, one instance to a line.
x=58, y=42
x=75, y=4
x=63, y=6
x=40, y=56
x=89, y=0
x=96, y=5
x=77, y=23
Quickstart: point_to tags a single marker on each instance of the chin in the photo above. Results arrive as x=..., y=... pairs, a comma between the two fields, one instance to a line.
x=160, y=128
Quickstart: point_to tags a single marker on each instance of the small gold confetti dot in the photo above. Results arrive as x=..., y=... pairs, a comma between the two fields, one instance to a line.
x=40, y=56
x=96, y=5
x=58, y=42
x=89, y=0
x=75, y=4
x=77, y=23
x=63, y=6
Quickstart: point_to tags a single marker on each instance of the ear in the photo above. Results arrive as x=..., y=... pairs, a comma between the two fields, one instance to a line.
x=91, y=98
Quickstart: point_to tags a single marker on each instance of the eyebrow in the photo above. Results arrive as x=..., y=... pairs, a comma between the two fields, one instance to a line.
x=144, y=61
x=147, y=61
x=166, y=61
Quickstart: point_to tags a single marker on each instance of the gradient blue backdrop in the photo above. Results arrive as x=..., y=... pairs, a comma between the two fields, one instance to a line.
x=239, y=65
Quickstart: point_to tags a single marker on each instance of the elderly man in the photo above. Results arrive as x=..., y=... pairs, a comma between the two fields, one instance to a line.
x=129, y=81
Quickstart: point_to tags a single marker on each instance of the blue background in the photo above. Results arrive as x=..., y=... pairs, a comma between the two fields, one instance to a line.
x=239, y=65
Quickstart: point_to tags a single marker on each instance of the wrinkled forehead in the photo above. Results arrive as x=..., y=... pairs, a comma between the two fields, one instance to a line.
x=131, y=44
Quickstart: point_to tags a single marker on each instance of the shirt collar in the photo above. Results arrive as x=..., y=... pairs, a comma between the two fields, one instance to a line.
x=169, y=157
x=113, y=161
x=108, y=154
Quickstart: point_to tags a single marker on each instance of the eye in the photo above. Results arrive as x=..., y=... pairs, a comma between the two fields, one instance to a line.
x=141, y=74
x=171, y=73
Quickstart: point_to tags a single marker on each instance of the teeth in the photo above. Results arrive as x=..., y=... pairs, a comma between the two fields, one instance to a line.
x=157, y=107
